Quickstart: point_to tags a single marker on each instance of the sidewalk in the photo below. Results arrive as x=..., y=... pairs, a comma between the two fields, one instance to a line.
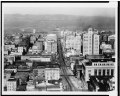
x=80, y=85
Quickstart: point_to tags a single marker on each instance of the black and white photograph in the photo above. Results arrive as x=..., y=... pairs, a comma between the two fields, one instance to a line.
x=59, y=48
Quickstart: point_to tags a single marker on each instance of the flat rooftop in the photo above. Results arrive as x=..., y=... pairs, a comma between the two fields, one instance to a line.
x=12, y=79
x=46, y=64
x=103, y=60
x=94, y=56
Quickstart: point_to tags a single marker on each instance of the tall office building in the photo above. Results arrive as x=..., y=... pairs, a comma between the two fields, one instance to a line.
x=90, y=43
x=96, y=44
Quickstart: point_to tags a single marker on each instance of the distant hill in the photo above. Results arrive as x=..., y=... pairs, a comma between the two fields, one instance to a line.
x=16, y=22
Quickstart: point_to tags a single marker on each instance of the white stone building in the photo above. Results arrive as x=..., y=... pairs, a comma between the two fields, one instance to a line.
x=99, y=67
x=73, y=42
x=12, y=84
x=20, y=49
x=52, y=74
x=90, y=43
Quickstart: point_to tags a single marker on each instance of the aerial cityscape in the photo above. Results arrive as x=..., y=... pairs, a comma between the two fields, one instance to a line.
x=62, y=54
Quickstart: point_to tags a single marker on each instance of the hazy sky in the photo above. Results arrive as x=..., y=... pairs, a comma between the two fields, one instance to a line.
x=61, y=10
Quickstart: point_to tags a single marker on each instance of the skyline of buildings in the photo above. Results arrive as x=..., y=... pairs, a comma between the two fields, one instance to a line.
x=37, y=62
x=59, y=48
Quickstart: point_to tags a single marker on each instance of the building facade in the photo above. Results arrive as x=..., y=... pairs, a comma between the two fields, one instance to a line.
x=100, y=67
x=111, y=39
x=52, y=74
x=39, y=73
x=51, y=43
x=12, y=84
x=73, y=42
x=90, y=43
x=20, y=49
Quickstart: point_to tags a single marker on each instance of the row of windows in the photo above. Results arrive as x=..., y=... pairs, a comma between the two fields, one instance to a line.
x=96, y=40
x=103, y=64
x=73, y=45
x=85, y=47
x=96, y=44
x=73, y=39
x=104, y=72
x=85, y=50
x=96, y=48
x=77, y=41
x=9, y=84
x=10, y=89
x=85, y=39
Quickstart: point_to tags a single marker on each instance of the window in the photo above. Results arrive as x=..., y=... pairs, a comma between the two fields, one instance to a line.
x=108, y=71
x=99, y=72
x=95, y=72
x=112, y=72
x=103, y=72
x=89, y=70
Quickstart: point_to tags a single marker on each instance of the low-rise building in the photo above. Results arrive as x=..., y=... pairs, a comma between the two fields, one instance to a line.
x=30, y=86
x=6, y=52
x=52, y=37
x=7, y=75
x=99, y=67
x=11, y=68
x=53, y=87
x=22, y=77
x=20, y=49
x=9, y=46
x=105, y=47
x=12, y=84
x=52, y=72
x=37, y=47
x=10, y=57
x=79, y=71
x=6, y=63
x=29, y=63
x=32, y=39
x=51, y=47
x=15, y=52
x=39, y=73
x=70, y=52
